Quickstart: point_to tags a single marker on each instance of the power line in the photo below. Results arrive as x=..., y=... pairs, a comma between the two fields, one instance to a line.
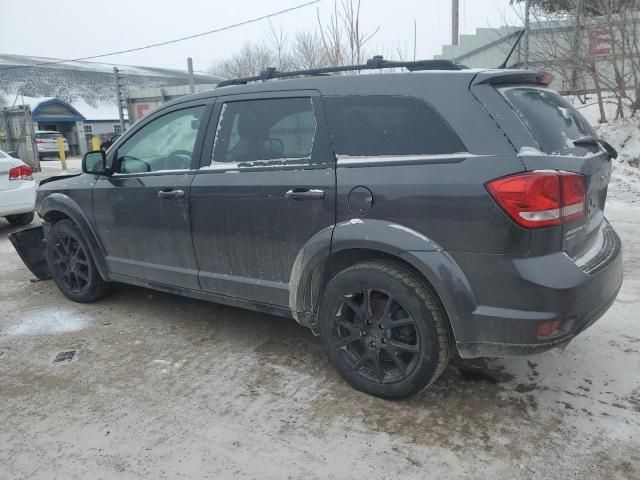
x=168, y=42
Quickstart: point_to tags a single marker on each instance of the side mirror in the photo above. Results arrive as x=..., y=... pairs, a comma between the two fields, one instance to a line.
x=94, y=162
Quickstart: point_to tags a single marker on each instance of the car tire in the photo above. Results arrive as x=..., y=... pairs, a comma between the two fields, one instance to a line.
x=20, y=219
x=392, y=345
x=71, y=264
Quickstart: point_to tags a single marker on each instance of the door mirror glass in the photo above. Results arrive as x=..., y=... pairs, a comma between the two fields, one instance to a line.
x=94, y=162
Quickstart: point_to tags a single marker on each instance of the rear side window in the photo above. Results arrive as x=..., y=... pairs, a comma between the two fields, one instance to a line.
x=269, y=129
x=376, y=125
x=552, y=121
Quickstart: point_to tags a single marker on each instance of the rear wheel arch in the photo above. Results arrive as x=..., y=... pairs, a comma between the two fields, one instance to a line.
x=311, y=290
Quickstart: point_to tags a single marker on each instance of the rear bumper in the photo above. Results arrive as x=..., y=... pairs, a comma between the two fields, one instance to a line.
x=506, y=297
x=18, y=200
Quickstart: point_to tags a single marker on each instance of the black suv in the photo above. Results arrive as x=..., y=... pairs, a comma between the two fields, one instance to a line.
x=404, y=217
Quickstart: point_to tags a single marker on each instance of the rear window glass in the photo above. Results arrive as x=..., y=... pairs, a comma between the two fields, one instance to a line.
x=388, y=125
x=3, y=155
x=552, y=121
x=48, y=135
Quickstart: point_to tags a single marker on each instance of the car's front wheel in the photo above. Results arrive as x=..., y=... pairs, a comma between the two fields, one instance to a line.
x=20, y=219
x=71, y=265
x=383, y=329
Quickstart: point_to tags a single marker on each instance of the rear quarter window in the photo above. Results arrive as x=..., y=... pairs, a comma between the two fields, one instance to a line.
x=384, y=125
x=553, y=122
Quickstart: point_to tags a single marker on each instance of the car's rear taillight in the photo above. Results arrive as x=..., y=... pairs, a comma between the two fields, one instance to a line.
x=22, y=172
x=39, y=140
x=540, y=198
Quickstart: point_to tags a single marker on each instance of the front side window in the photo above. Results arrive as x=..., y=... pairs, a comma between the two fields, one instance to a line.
x=166, y=143
x=382, y=125
x=270, y=129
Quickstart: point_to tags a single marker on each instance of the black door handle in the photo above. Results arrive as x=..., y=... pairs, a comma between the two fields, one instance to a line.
x=305, y=194
x=168, y=194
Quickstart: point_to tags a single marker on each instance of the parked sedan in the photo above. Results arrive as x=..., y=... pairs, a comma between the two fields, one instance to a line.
x=47, y=143
x=17, y=190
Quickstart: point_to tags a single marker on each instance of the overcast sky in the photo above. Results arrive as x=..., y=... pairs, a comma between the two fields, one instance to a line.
x=72, y=28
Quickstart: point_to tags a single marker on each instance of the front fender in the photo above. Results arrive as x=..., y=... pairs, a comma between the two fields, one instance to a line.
x=61, y=203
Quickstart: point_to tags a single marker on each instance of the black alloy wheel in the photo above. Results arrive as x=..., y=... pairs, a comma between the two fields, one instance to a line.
x=384, y=329
x=71, y=264
x=377, y=336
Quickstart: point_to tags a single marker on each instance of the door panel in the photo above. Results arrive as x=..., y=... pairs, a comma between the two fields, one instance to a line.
x=247, y=232
x=141, y=212
x=146, y=236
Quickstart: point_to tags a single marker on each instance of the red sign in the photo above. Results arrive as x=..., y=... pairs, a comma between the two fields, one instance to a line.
x=599, y=41
x=143, y=108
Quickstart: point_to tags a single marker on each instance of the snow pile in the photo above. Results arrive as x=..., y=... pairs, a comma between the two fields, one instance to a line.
x=624, y=135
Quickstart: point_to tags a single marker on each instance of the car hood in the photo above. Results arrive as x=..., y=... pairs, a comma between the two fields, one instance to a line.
x=69, y=174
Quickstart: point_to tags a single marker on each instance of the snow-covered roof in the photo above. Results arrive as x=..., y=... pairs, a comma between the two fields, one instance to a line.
x=25, y=61
x=101, y=111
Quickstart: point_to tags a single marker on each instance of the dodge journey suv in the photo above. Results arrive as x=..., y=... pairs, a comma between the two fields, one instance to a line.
x=403, y=216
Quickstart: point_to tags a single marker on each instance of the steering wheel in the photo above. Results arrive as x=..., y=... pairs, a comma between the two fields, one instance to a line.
x=180, y=158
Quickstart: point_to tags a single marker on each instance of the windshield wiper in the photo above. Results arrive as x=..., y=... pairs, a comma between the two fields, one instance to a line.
x=597, y=141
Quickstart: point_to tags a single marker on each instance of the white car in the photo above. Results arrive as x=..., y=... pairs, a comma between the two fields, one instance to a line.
x=47, y=143
x=17, y=190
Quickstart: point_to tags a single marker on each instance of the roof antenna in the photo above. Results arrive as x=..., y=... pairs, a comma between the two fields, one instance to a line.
x=503, y=65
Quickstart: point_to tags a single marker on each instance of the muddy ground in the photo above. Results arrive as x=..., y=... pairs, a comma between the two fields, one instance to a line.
x=167, y=387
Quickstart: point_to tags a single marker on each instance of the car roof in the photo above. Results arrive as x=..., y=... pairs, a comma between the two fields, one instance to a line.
x=331, y=84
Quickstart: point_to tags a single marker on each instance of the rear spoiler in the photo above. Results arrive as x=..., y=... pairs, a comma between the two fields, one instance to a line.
x=511, y=77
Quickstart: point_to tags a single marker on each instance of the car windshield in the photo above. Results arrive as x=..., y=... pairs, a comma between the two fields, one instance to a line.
x=3, y=155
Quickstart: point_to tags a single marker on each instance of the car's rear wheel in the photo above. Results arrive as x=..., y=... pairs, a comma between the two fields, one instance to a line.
x=384, y=330
x=71, y=265
x=20, y=219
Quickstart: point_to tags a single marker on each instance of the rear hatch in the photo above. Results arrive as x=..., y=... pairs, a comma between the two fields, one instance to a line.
x=550, y=134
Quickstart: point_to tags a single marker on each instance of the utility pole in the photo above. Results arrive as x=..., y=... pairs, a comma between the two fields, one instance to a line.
x=415, y=37
x=455, y=20
x=527, y=26
x=118, y=79
x=577, y=41
x=192, y=87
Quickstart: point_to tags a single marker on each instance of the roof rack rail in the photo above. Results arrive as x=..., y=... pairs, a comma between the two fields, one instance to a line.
x=375, y=63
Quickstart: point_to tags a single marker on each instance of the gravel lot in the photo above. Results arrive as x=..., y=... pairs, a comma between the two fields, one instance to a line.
x=167, y=387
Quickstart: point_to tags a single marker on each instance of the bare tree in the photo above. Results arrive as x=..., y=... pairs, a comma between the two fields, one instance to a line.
x=338, y=41
x=249, y=61
x=280, y=45
x=331, y=37
x=591, y=46
x=307, y=50
x=356, y=38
